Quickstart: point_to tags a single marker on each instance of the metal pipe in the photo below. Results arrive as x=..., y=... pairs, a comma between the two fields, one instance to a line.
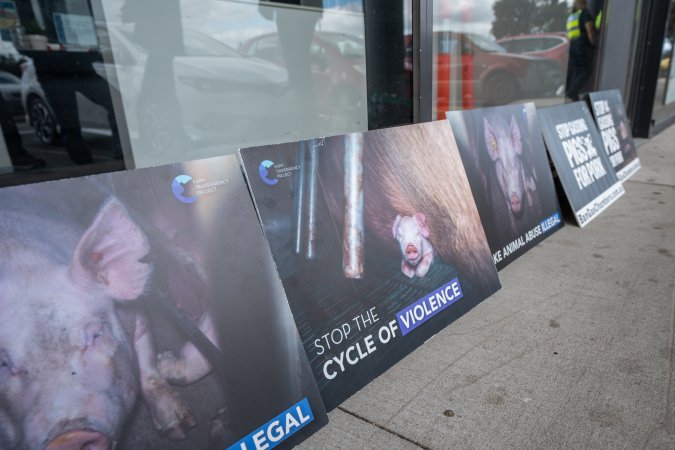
x=312, y=187
x=300, y=197
x=352, y=238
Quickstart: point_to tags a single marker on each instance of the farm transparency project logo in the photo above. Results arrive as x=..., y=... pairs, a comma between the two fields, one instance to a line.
x=200, y=186
x=264, y=172
x=178, y=189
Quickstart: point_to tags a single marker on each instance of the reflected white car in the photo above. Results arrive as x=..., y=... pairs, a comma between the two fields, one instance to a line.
x=224, y=97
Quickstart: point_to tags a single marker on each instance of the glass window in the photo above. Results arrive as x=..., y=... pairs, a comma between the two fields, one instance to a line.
x=112, y=84
x=216, y=75
x=266, y=48
x=56, y=109
x=531, y=44
x=490, y=69
x=664, y=103
x=348, y=46
x=198, y=44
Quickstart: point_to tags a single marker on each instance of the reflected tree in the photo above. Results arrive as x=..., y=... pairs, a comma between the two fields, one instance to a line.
x=513, y=17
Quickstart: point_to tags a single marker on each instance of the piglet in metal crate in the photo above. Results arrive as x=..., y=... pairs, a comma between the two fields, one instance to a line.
x=412, y=234
x=70, y=372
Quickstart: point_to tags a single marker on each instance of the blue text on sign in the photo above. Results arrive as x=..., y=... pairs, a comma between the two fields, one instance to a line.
x=278, y=429
x=428, y=306
x=550, y=222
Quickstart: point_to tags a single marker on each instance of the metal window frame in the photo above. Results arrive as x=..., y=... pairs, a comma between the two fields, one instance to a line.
x=422, y=31
x=643, y=89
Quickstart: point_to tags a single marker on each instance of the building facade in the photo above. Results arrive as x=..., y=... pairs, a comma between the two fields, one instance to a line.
x=91, y=86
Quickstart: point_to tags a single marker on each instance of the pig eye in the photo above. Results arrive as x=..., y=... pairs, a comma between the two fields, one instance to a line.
x=95, y=332
x=493, y=144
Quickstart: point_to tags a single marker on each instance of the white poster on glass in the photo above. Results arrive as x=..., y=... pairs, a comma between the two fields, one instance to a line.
x=200, y=78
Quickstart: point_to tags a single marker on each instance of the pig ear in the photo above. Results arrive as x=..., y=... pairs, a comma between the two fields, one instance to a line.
x=422, y=222
x=108, y=254
x=490, y=140
x=515, y=135
x=394, y=227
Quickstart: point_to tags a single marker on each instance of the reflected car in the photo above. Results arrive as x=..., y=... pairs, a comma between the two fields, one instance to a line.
x=338, y=64
x=223, y=96
x=41, y=117
x=553, y=46
x=39, y=113
x=486, y=73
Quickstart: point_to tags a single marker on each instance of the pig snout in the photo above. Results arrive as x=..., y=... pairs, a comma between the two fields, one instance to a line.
x=516, y=204
x=411, y=253
x=80, y=440
x=513, y=188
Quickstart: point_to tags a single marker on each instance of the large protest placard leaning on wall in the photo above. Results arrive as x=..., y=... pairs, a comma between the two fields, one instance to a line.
x=610, y=117
x=506, y=163
x=582, y=165
x=142, y=309
x=378, y=243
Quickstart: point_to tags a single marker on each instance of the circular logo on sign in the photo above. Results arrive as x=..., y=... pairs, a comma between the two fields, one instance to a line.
x=265, y=174
x=178, y=189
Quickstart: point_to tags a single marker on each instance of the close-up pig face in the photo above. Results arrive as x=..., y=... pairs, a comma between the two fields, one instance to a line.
x=410, y=231
x=503, y=142
x=68, y=373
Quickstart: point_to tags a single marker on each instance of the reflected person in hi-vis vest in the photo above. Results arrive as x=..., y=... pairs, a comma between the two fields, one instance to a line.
x=580, y=32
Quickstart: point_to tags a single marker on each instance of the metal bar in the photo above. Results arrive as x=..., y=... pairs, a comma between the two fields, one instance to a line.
x=422, y=33
x=352, y=237
x=426, y=60
x=312, y=187
x=300, y=197
x=649, y=48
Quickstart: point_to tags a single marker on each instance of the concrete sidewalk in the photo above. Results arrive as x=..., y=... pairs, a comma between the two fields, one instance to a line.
x=575, y=351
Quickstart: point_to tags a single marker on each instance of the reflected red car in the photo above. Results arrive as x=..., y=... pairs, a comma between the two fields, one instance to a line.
x=553, y=46
x=472, y=71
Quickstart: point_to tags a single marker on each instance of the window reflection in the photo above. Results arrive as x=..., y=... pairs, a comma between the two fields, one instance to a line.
x=240, y=73
x=665, y=85
x=337, y=67
x=56, y=111
x=493, y=52
x=89, y=86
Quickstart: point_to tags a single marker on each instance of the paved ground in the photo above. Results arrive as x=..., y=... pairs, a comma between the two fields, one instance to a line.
x=576, y=351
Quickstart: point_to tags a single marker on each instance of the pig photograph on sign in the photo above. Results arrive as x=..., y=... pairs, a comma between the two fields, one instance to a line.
x=129, y=319
x=583, y=167
x=612, y=122
x=506, y=163
x=378, y=243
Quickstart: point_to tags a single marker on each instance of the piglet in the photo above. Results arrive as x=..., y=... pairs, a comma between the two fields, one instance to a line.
x=412, y=234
